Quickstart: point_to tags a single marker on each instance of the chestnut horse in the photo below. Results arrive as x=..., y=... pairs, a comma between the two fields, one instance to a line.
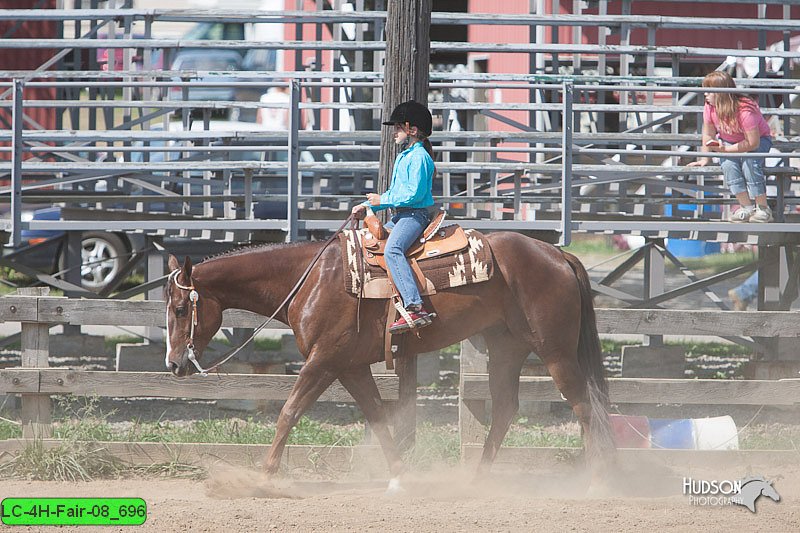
x=538, y=300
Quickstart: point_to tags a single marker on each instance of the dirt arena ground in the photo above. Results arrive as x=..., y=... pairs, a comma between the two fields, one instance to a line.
x=440, y=500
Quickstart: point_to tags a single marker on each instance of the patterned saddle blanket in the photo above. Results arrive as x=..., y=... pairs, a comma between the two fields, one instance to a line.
x=452, y=258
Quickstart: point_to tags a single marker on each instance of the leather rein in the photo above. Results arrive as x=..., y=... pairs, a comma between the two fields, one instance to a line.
x=194, y=296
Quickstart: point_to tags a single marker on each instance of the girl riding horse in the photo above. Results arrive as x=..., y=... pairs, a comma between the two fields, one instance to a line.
x=409, y=196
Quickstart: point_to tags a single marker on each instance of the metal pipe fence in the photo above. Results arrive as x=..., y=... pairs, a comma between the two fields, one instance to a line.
x=141, y=148
x=210, y=152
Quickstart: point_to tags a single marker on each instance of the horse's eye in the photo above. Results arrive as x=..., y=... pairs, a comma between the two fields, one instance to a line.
x=180, y=311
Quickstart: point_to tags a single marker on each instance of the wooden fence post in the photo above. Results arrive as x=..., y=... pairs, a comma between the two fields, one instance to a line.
x=471, y=413
x=36, y=408
x=406, y=73
x=405, y=411
x=408, y=47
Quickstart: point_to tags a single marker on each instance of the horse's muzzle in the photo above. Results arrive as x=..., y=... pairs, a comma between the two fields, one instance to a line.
x=182, y=367
x=181, y=371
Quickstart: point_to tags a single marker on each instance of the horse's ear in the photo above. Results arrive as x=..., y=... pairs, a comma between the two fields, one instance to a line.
x=187, y=268
x=172, y=263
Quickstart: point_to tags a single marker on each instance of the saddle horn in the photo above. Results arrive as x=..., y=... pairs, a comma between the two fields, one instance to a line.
x=374, y=225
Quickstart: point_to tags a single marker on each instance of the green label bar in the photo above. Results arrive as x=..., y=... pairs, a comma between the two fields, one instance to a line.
x=73, y=511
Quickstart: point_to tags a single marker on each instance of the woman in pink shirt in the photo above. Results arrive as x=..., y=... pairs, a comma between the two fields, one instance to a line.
x=734, y=124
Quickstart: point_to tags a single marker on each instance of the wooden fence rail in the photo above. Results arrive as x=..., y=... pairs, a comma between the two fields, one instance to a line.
x=99, y=312
x=164, y=385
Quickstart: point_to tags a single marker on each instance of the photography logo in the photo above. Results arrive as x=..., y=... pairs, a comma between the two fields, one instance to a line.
x=743, y=492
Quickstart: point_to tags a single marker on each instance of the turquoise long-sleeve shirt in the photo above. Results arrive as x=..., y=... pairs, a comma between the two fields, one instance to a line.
x=412, y=180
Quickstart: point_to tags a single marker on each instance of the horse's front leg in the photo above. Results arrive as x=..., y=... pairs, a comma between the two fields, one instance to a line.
x=310, y=384
x=360, y=383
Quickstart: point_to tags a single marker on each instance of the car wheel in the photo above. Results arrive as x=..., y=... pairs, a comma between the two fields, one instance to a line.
x=103, y=255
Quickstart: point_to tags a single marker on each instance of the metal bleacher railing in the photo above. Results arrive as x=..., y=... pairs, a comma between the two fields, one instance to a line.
x=508, y=192
x=227, y=180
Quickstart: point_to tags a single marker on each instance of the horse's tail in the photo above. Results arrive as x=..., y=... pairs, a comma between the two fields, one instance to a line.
x=590, y=355
x=590, y=359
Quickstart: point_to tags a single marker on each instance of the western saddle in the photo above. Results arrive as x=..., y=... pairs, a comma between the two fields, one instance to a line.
x=435, y=241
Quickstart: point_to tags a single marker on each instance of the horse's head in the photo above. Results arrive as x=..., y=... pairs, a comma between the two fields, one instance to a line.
x=193, y=317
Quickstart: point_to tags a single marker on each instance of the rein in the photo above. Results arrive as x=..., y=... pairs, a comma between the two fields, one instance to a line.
x=194, y=297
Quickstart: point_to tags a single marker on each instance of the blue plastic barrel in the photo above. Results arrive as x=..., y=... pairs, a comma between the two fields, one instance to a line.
x=717, y=433
x=689, y=248
x=675, y=434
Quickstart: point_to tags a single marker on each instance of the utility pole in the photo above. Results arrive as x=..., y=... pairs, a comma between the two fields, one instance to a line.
x=406, y=71
x=406, y=74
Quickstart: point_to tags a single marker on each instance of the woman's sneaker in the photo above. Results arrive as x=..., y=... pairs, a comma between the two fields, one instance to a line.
x=761, y=215
x=742, y=214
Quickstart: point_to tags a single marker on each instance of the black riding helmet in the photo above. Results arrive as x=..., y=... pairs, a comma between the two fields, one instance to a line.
x=415, y=114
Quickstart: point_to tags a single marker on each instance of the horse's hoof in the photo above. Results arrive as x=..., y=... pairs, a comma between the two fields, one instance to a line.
x=394, y=488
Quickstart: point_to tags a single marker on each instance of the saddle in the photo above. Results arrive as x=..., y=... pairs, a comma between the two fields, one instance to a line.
x=443, y=258
x=435, y=241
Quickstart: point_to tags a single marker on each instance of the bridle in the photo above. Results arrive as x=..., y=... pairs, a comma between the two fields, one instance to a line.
x=194, y=296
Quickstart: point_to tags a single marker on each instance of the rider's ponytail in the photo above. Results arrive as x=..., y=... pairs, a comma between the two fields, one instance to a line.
x=426, y=143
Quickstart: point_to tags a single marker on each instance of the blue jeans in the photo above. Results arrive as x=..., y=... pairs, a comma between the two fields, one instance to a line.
x=746, y=174
x=748, y=290
x=406, y=227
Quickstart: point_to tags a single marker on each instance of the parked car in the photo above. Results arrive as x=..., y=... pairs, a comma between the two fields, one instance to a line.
x=103, y=253
x=206, y=60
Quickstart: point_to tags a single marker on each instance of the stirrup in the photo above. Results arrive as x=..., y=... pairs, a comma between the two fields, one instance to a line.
x=419, y=323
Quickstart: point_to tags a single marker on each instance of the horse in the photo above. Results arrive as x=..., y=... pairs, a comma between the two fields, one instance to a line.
x=538, y=299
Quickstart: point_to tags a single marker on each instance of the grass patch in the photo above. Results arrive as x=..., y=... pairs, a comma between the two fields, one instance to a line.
x=11, y=280
x=134, y=279
x=9, y=429
x=538, y=436
x=693, y=349
x=111, y=342
x=435, y=445
x=238, y=431
x=714, y=263
x=173, y=469
x=705, y=360
x=260, y=344
x=770, y=437
x=267, y=344
x=453, y=349
x=6, y=289
x=79, y=457
x=75, y=458
x=591, y=245
x=67, y=461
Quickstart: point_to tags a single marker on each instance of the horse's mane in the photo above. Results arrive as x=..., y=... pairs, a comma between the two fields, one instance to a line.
x=251, y=248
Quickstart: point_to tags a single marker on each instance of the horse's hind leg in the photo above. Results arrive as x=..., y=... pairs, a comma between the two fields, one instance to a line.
x=587, y=405
x=506, y=356
x=361, y=386
x=310, y=384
